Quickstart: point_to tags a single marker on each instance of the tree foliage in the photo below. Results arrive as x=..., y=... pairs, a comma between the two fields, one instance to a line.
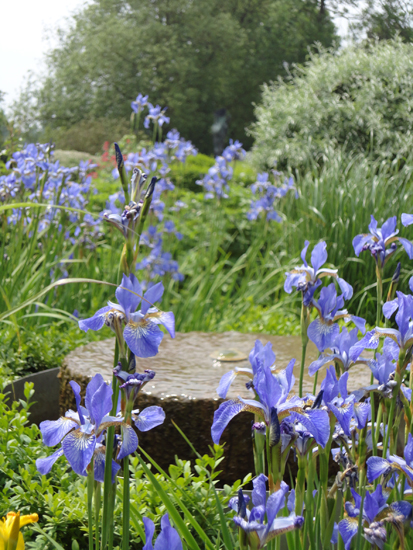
x=384, y=19
x=193, y=56
x=360, y=99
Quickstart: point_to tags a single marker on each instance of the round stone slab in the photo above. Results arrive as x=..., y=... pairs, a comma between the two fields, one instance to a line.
x=185, y=386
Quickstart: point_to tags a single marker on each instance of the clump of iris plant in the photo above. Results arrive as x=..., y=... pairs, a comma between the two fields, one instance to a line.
x=81, y=433
x=306, y=279
x=261, y=525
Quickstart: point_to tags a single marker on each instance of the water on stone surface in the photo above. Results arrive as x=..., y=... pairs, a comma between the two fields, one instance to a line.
x=185, y=369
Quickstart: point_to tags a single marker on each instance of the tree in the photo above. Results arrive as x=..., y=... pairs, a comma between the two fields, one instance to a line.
x=193, y=56
x=380, y=19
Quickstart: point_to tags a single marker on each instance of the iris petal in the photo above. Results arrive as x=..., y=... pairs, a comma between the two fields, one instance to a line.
x=143, y=337
x=101, y=403
x=168, y=539
x=53, y=431
x=129, y=441
x=348, y=528
x=150, y=418
x=149, y=532
x=96, y=322
x=154, y=294
x=222, y=417
x=79, y=448
x=44, y=465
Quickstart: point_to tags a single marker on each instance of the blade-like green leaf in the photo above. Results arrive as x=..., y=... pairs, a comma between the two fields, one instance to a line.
x=173, y=512
x=184, y=509
x=226, y=534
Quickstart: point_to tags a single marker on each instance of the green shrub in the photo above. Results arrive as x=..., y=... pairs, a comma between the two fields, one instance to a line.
x=89, y=135
x=360, y=99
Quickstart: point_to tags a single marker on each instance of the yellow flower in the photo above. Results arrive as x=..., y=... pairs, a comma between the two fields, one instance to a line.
x=10, y=536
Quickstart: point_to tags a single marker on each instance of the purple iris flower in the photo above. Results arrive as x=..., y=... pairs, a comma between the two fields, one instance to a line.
x=141, y=333
x=376, y=513
x=272, y=406
x=378, y=466
x=233, y=151
x=307, y=277
x=324, y=330
x=379, y=239
x=168, y=538
x=81, y=432
x=157, y=115
x=259, y=356
x=345, y=407
x=140, y=102
x=252, y=522
x=401, y=339
x=340, y=353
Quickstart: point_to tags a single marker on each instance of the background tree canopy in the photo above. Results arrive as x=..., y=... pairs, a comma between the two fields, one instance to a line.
x=194, y=57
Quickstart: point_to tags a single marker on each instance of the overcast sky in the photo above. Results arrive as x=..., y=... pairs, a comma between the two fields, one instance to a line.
x=26, y=34
x=23, y=37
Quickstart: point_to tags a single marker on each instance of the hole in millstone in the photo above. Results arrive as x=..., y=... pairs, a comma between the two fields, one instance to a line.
x=228, y=355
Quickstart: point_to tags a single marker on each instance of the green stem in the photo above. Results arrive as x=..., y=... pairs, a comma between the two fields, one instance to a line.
x=90, y=487
x=97, y=497
x=315, y=384
x=109, y=488
x=303, y=353
x=304, y=342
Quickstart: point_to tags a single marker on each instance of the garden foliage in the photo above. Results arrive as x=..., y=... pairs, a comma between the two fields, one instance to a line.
x=358, y=100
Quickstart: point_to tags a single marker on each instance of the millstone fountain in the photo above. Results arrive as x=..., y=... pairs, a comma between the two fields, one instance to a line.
x=188, y=370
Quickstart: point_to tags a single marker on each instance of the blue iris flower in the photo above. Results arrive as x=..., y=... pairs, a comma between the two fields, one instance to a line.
x=259, y=355
x=376, y=513
x=308, y=277
x=324, y=330
x=141, y=332
x=378, y=466
x=168, y=538
x=379, y=239
x=272, y=402
x=157, y=115
x=252, y=522
x=140, y=102
x=81, y=432
x=340, y=353
x=344, y=406
x=401, y=339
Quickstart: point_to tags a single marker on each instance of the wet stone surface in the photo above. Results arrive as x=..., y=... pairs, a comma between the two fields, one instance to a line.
x=185, y=386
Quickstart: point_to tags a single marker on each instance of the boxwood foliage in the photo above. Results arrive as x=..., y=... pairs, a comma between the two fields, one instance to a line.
x=359, y=98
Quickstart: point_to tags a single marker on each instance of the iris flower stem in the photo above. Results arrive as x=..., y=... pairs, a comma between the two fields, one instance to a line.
x=315, y=384
x=308, y=524
x=97, y=501
x=300, y=486
x=126, y=487
x=360, y=524
x=90, y=488
x=304, y=342
x=388, y=426
x=379, y=273
x=303, y=354
x=268, y=450
x=126, y=503
x=374, y=433
x=108, y=487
